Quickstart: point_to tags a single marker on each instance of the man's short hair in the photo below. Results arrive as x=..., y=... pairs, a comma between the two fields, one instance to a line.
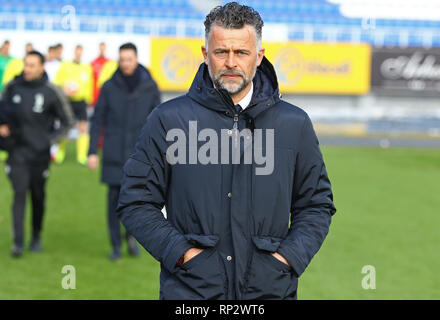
x=36, y=53
x=234, y=16
x=128, y=46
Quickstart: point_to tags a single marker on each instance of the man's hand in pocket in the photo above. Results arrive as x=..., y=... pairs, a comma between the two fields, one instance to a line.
x=191, y=253
x=281, y=258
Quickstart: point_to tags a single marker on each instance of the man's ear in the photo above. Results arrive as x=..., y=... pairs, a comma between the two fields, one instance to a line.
x=260, y=56
x=205, y=54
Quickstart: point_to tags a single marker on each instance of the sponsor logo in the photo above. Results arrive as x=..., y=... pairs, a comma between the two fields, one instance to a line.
x=16, y=99
x=289, y=65
x=38, y=103
x=416, y=66
x=178, y=63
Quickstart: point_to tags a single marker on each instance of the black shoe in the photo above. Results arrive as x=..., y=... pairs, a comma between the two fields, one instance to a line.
x=17, y=251
x=35, y=245
x=133, y=249
x=115, y=255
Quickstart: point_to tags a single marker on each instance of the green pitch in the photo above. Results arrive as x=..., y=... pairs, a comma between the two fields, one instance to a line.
x=388, y=217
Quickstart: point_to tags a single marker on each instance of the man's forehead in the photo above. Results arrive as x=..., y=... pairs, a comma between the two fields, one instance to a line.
x=224, y=37
x=31, y=58
x=129, y=53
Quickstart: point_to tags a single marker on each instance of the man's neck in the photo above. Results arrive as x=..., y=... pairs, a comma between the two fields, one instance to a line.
x=240, y=95
x=34, y=80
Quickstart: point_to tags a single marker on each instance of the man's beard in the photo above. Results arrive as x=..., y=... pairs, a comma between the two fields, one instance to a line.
x=229, y=86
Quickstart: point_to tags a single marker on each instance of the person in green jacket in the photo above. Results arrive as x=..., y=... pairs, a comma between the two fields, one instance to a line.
x=4, y=60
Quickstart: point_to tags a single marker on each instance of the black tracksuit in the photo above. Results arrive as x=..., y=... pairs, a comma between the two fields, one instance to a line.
x=30, y=108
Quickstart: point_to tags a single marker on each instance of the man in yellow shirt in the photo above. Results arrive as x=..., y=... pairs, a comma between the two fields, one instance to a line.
x=76, y=80
x=12, y=69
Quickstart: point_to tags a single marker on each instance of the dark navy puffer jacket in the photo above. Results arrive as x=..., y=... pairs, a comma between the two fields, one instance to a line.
x=237, y=216
x=121, y=113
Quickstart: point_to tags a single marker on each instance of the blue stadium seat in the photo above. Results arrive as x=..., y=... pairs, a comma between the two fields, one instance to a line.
x=8, y=25
x=415, y=40
x=366, y=37
x=436, y=41
x=391, y=39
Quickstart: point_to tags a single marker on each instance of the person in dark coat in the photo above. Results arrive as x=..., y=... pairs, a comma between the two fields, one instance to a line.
x=123, y=105
x=31, y=105
x=239, y=171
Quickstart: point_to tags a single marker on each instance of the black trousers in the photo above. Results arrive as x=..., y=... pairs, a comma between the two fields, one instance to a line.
x=24, y=178
x=114, y=225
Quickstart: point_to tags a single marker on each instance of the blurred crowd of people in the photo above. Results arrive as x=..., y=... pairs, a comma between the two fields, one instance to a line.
x=42, y=98
x=80, y=82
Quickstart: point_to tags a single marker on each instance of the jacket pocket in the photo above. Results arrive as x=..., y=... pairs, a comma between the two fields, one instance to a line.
x=267, y=277
x=202, y=277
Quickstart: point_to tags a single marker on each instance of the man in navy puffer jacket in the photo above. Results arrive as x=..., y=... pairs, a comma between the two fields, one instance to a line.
x=239, y=171
x=124, y=103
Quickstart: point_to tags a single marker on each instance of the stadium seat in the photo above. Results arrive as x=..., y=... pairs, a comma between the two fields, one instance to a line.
x=317, y=14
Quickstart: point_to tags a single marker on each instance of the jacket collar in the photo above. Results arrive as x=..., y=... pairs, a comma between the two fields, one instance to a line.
x=145, y=79
x=35, y=83
x=265, y=95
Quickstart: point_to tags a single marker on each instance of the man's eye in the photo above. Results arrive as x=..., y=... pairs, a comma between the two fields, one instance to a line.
x=220, y=53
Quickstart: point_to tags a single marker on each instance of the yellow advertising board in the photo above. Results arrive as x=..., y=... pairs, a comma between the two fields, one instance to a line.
x=174, y=62
x=301, y=67
x=321, y=67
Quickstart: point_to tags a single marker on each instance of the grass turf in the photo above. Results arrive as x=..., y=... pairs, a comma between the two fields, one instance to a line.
x=388, y=217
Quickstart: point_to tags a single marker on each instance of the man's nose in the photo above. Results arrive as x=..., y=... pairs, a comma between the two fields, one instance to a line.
x=230, y=60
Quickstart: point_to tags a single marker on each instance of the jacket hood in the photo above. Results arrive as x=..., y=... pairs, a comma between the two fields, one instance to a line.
x=265, y=94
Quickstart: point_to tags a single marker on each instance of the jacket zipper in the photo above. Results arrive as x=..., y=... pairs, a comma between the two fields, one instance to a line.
x=235, y=130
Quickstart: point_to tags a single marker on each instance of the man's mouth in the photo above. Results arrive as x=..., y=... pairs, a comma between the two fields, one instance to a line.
x=232, y=76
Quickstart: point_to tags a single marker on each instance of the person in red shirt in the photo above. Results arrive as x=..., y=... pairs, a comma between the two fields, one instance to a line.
x=97, y=65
